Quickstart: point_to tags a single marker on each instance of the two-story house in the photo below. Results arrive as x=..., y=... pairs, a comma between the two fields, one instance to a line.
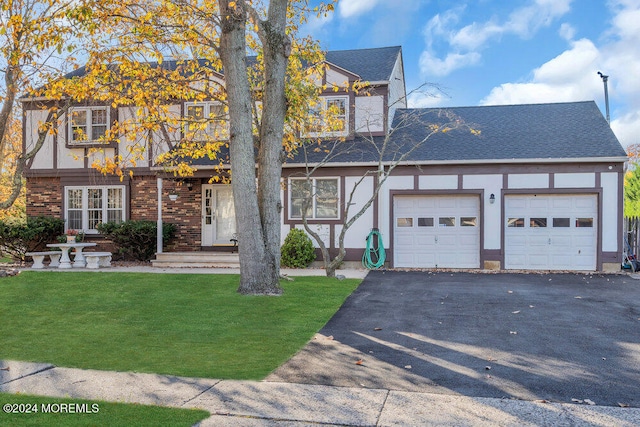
x=540, y=186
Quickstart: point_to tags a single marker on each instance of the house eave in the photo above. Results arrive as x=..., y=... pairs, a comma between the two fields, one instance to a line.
x=618, y=159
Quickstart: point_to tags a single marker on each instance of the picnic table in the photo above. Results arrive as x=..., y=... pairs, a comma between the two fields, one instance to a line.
x=78, y=261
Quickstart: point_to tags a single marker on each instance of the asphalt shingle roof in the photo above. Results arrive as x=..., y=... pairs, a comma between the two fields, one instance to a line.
x=572, y=130
x=371, y=65
x=375, y=64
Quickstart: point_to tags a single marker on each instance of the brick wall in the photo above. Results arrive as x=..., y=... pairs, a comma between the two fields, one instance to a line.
x=44, y=197
x=185, y=212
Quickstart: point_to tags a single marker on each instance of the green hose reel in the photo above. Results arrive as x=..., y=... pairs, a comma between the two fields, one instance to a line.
x=374, y=255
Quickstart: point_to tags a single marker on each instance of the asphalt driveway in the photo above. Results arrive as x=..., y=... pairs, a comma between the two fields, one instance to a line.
x=555, y=337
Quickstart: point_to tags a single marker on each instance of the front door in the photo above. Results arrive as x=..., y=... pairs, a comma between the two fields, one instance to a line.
x=218, y=215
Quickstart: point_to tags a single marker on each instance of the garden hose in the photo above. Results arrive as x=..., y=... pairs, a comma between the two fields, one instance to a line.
x=372, y=257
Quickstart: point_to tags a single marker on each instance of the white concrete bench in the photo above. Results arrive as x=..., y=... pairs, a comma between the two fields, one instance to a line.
x=97, y=259
x=38, y=258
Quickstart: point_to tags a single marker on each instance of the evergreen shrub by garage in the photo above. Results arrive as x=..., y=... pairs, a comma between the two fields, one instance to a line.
x=297, y=251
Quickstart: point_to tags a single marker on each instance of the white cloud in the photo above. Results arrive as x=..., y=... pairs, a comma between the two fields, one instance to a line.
x=570, y=76
x=567, y=31
x=467, y=41
x=453, y=61
x=426, y=98
x=349, y=8
x=627, y=128
x=317, y=25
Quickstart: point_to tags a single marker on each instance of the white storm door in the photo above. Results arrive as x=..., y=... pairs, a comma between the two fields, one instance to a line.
x=218, y=215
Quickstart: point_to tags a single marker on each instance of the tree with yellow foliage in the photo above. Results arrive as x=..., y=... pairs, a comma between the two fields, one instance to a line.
x=243, y=54
x=34, y=42
x=10, y=150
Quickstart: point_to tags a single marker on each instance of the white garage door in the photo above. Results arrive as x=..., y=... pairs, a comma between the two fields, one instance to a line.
x=436, y=231
x=544, y=232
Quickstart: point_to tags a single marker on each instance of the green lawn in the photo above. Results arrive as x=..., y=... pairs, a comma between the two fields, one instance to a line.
x=53, y=412
x=179, y=324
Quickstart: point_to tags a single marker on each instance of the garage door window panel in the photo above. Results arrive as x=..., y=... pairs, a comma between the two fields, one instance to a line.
x=447, y=221
x=515, y=222
x=584, y=222
x=538, y=222
x=425, y=222
x=561, y=222
x=404, y=222
x=468, y=221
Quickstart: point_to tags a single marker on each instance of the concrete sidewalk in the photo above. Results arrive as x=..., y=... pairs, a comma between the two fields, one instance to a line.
x=253, y=403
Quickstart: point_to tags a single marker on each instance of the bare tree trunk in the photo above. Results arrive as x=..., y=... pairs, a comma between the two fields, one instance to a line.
x=254, y=277
x=277, y=46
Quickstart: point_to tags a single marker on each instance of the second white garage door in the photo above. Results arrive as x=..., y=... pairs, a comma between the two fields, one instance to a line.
x=551, y=232
x=436, y=231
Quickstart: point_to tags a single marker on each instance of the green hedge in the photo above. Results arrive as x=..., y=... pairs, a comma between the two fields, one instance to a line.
x=136, y=239
x=20, y=237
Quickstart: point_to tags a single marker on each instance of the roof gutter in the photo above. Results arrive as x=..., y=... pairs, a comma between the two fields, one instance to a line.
x=618, y=159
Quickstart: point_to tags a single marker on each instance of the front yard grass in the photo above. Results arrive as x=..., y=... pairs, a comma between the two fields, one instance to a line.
x=55, y=412
x=177, y=324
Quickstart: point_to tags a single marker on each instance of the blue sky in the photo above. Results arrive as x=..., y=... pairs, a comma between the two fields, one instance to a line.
x=489, y=52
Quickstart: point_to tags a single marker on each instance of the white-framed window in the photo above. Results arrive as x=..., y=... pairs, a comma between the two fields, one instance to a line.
x=321, y=194
x=329, y=118
x=206, y=119
x=88, y=125
x=86, y=207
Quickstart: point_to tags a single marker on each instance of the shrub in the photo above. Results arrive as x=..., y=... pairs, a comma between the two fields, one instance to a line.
x=136, y=239
x=20, y=237
x=297, y=251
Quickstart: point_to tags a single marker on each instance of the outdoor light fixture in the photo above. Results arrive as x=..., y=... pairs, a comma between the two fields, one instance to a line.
x=189, y=185
x=492, y=198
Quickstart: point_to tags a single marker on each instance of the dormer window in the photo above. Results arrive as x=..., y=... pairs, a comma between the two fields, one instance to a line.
x=206, y=119
x=329, y=118
x=88, y=125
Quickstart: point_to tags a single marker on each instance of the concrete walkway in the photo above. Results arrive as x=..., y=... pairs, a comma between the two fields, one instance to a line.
x=353, y=273
x=250, y=403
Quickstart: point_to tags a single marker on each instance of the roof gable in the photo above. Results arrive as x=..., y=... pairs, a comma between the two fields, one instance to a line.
x=372, y=65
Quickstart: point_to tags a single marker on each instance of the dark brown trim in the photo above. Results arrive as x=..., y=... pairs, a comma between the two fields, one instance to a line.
x=78, y=172
x=599, y=231
x=376, y=203
x=611, y=257
x=620, y=216
x=492, y=255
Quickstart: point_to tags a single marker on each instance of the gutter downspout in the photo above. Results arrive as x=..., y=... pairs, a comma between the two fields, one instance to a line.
x=159, y=227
